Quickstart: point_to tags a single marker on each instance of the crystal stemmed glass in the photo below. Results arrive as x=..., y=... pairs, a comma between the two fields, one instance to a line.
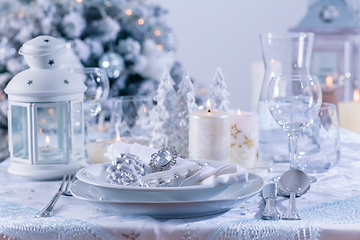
x=98, y=86
x=294, y=101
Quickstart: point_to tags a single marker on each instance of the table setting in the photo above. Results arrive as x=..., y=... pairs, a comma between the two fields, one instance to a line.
x=329, y=210
x=164, y=167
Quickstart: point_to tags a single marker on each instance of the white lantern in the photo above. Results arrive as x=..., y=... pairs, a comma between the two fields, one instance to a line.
x=46, y=130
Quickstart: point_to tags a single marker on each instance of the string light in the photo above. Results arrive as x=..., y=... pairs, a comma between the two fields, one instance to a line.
x=159, y=47
x=79, y=1
x=141, y=21
x=21, y=14
x=157, y=33
x=51, y=110
x=128, y=12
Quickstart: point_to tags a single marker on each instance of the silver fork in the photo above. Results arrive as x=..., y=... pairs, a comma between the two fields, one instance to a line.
x=63, y=190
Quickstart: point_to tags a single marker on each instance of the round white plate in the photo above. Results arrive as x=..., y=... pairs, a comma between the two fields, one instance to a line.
x=229, y=198
x=96, y=175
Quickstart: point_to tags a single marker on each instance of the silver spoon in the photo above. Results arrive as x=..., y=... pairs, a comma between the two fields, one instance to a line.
x=294, y=183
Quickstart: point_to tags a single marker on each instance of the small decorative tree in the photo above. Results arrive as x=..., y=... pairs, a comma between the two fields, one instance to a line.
x=185, y=105
x=163, y=113
x=218, y=93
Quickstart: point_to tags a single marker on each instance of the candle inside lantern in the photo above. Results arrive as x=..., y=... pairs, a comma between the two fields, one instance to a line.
x=329, y=91
x=209, y=134
x=349, y=113
x=49, y=153
x=244, y=138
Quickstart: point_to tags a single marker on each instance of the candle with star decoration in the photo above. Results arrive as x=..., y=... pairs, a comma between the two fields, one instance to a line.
x=209, y=135
x=244, y=138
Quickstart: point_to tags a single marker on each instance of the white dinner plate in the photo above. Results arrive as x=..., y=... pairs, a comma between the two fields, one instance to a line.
x=96, y=175
x=229, y=198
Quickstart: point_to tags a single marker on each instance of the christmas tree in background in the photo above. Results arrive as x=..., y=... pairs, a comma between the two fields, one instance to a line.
x=126, y=37
x=163, y=113
x=185, y=104
x=218, y=93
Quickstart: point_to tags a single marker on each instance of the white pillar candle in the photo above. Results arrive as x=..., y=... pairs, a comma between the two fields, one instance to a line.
x=96, y=149
x=244, y=138
x=209, y=135
x=349, y=113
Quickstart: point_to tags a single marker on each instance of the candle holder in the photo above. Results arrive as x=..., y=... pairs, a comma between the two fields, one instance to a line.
x=46, y=130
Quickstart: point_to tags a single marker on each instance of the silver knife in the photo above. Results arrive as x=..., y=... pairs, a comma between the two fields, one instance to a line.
x=269, y=194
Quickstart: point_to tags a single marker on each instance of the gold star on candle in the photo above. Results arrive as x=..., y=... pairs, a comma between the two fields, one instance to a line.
x=249, y=142
x=234, y=131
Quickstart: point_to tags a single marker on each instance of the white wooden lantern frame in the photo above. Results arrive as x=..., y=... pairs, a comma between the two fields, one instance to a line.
x=46, y=87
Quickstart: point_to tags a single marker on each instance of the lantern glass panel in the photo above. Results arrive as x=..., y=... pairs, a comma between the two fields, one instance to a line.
x=78, y=130
x=19, y=131
x=51, y=132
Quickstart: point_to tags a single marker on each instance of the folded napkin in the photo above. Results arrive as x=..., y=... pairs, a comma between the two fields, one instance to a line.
x=229, y=173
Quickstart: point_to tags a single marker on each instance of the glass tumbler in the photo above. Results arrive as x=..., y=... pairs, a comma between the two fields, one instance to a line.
x=131, y=118
x=319, y=146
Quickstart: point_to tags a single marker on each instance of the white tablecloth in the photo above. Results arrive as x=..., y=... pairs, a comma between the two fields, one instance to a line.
x=330, y=210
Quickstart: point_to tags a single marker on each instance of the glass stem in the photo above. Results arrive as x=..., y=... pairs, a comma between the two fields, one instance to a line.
x=294, y=158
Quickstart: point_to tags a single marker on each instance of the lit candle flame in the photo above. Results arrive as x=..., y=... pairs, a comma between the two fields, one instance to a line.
x=208, y=104
x=272, y=60
x=145, y=109
x=47, y=140
x=356, y=96
x=40, y=130
x=238, y=111
x=329, y=81
x=118, y=137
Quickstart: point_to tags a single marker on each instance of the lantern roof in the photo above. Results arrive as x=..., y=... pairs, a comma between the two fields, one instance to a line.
x=45, y=85
x=330, y=16
x=41, y=46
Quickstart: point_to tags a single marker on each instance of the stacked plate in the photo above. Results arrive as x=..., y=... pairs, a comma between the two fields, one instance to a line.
x=161, y=202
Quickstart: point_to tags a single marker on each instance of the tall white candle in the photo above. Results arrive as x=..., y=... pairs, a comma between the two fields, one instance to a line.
x=349, y=113
x=244, y=138
x=209, y=135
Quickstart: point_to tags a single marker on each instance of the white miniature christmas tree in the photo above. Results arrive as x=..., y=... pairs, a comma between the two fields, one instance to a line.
x=163, y=113
x=185, y=105
x=218, y=93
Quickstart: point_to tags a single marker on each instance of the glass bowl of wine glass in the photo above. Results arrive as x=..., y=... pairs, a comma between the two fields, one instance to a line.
x=294, y=102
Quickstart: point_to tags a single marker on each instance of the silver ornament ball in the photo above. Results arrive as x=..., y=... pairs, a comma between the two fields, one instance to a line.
x=112, y=63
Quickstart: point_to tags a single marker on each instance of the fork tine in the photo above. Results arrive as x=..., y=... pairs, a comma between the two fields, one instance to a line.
x=69, y=182
x=62, y=183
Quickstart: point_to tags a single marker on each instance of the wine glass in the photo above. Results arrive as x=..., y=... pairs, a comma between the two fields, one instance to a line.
x=98, y=86
x=294, y=101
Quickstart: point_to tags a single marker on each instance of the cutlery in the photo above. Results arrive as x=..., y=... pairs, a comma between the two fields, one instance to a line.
x=269, y=194
x=293, y=183
x=48, y=210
